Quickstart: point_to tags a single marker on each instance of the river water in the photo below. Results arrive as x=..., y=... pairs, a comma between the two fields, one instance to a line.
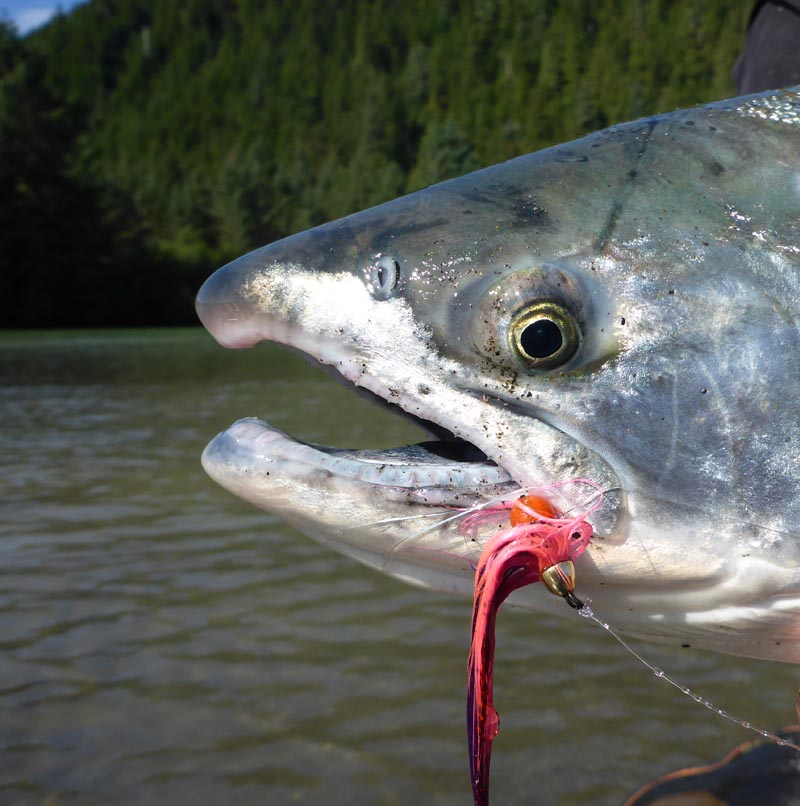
x=164, y=642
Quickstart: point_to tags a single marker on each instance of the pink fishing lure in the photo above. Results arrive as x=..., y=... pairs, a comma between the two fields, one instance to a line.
x=541, y=538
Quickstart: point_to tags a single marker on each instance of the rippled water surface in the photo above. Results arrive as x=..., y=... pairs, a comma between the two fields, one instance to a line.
x=163, y=642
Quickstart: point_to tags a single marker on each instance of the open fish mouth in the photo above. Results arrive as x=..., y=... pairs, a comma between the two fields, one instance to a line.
x=252, y=457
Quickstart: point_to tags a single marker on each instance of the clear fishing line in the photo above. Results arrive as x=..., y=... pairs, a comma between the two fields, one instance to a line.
x=588, y=613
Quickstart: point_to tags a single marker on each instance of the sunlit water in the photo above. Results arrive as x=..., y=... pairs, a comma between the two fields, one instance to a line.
x=163, y=642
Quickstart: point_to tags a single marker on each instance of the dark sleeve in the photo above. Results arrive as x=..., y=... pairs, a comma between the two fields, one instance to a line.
x=771, y=55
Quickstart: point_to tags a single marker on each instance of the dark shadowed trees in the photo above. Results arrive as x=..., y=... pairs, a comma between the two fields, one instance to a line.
x=145, y=142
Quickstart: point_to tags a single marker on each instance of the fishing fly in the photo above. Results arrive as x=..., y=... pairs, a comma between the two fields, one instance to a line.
x=540, y=545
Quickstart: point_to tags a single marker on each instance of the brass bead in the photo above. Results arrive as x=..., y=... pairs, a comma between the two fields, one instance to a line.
x=559, y=579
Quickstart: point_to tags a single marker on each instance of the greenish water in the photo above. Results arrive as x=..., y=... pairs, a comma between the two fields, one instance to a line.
x=163, y=642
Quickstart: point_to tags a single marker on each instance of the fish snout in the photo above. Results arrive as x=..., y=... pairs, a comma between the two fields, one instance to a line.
x=250, y=300
x=223, y=306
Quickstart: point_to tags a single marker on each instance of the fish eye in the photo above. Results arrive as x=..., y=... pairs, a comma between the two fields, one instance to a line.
x=385, y=275
x=544, y=335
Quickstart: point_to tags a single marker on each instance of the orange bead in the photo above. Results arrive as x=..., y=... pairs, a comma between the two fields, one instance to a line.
x=537, y=503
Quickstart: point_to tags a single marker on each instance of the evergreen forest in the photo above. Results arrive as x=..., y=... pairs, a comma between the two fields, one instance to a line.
x=143, y=143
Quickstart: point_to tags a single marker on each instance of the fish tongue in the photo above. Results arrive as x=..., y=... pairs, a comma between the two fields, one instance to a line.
x=504, y=566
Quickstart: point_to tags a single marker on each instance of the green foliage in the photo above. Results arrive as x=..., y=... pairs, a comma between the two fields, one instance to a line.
x=444, y=152
x=144, y=142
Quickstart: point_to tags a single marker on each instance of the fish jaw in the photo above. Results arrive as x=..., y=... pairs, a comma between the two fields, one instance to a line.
x=696, y=539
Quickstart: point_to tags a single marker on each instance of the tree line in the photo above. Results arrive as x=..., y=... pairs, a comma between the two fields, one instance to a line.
x=143, y=143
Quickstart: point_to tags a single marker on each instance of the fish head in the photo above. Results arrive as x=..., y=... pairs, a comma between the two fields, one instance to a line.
x=621, y=309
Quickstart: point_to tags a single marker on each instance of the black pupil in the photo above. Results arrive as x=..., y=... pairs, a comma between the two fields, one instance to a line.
x=541, y=339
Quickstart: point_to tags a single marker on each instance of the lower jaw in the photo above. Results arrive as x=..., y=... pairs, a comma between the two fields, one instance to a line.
x=426, y=473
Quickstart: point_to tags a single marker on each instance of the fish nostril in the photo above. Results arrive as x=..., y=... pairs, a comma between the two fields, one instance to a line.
x=385, y=275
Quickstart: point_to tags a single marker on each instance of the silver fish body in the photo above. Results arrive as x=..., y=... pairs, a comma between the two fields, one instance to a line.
x=661, y=260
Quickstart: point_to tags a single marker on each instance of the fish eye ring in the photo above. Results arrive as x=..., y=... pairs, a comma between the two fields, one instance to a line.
x=544, y=335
